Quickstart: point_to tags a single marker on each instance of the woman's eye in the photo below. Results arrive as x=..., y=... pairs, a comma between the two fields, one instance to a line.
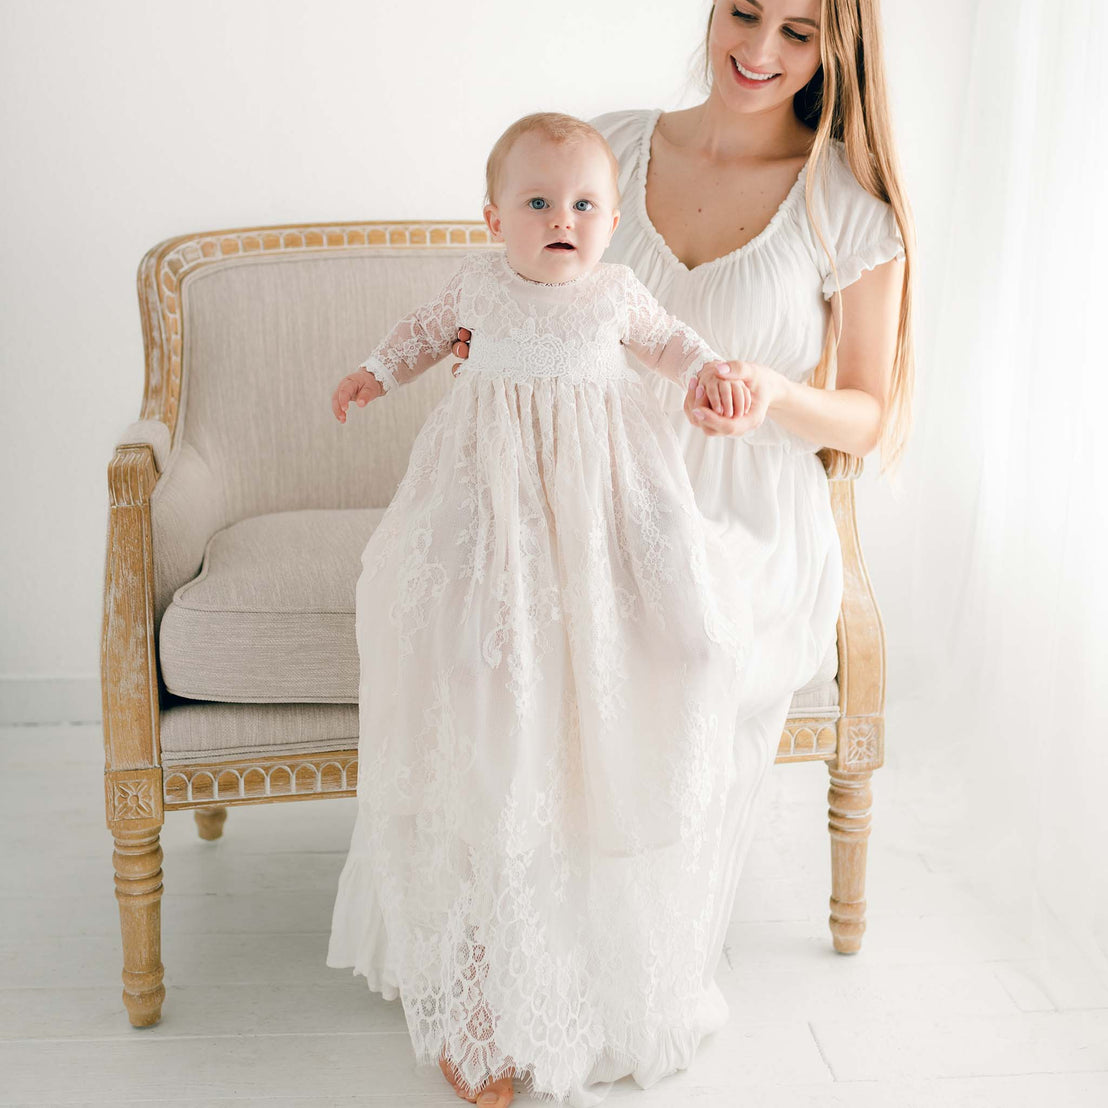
x=579, y=202
x=537, y=200
x=750, y=17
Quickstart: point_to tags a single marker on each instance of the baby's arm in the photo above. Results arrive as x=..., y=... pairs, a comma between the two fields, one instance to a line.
x=661, y=341
x=419, y=340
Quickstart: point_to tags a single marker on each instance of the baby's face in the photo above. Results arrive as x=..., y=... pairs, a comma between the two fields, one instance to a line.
x=553, y=193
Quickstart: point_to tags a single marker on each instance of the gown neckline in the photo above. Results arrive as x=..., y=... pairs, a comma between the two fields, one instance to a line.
x=536, y=286
x=639, y=194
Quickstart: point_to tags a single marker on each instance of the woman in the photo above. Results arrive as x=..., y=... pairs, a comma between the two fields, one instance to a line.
x=760, y=217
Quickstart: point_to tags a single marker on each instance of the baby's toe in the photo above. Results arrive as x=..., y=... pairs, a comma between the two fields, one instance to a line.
x=455, y=1082
x=497, y=1094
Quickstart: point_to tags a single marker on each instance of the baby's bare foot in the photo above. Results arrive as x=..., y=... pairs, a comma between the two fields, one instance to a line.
x=496, y=1094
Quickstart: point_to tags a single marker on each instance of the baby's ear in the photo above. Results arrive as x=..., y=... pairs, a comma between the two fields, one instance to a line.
x=492, y=220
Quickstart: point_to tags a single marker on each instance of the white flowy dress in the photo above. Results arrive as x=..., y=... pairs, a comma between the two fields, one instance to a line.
x=552, y=643
x=765, y=302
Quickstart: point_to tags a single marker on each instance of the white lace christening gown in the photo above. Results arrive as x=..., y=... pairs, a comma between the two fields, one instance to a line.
x=551, y=640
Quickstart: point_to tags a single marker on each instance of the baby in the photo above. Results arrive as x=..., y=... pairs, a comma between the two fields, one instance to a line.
x=549, y=247
x=551, y=637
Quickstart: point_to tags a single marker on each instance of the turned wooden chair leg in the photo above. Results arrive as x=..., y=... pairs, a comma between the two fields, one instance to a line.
x=849, y=802
x=138, y=888
x=209, y=822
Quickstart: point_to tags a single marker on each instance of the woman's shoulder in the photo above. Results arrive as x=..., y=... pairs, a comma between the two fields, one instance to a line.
x=862, y=228
x=845, y=194
x=622, y=128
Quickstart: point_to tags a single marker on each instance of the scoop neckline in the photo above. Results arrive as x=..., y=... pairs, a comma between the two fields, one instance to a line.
x=528, y=283
x=655, y=235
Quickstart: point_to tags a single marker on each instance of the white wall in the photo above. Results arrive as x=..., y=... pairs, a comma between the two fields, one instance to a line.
x=127, y=122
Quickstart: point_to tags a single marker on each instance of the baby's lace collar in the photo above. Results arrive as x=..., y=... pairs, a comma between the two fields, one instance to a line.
x=526, y=282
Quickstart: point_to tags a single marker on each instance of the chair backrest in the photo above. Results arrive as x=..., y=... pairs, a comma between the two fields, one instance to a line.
x=265, y=335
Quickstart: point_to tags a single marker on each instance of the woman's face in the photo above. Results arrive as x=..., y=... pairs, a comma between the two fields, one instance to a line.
x=779, y=37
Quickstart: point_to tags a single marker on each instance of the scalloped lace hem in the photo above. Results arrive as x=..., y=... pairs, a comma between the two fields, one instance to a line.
x=365, y=948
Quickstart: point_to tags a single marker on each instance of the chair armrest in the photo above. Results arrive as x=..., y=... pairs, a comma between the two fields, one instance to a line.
x=164, y=506
x=128, y=667
x=149, y=432
x=860, y=631
x=186, y=503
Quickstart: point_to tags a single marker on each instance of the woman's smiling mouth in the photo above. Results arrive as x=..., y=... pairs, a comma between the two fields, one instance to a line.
x=750, y=78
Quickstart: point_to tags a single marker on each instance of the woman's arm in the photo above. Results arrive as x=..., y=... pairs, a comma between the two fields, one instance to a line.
x=847, y=417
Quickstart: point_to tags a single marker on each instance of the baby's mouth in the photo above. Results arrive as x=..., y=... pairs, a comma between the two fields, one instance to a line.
x=560, y=246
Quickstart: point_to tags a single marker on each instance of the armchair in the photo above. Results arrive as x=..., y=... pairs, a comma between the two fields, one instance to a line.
x=238, y=510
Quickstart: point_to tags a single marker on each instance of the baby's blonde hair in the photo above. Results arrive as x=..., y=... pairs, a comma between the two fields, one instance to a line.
x=557, y=128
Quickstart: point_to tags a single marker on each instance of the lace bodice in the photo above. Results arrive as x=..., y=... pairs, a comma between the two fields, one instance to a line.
x=523, y=329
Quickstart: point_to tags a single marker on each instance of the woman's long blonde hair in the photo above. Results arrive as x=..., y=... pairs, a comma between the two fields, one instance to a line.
x=851, y=82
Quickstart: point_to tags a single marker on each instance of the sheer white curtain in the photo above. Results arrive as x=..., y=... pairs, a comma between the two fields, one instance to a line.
x=1011, y=599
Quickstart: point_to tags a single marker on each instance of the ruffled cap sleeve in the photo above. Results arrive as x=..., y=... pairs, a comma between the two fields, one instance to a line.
x=859, y=228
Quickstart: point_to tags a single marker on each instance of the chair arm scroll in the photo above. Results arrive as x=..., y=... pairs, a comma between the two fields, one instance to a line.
x=149, y=432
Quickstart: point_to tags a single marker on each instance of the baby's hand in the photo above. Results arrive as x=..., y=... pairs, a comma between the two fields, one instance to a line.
x=361, y=386
x=730, y=399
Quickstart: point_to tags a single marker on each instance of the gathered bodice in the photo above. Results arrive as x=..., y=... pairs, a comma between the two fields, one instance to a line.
x=577, y=331
x=527, y=329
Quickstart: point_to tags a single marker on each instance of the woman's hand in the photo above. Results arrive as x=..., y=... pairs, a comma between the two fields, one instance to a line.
x=361, y=386
x=725, y=397
x=460, y=349
x=765, y=385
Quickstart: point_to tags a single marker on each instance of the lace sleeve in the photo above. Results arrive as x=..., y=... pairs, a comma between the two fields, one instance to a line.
x=661, y=341
x=419, y=340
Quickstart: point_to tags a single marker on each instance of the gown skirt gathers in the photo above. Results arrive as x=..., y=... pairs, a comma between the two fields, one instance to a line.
x=538, y=839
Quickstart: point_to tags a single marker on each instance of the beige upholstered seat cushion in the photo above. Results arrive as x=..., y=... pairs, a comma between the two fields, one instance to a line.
x=201, y=731
x=270, y=616
x=269, y=620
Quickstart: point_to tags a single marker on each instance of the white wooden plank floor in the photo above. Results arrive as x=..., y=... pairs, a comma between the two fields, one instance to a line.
x=947, y=1004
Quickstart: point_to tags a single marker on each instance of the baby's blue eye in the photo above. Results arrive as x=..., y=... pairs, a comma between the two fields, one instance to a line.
x=589, y=202
x=538, y=200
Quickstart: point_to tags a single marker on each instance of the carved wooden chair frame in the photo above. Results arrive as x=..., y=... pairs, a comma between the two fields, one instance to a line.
x=138, y=792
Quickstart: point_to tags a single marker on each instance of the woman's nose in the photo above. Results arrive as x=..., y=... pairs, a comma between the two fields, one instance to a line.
x=760, y=47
